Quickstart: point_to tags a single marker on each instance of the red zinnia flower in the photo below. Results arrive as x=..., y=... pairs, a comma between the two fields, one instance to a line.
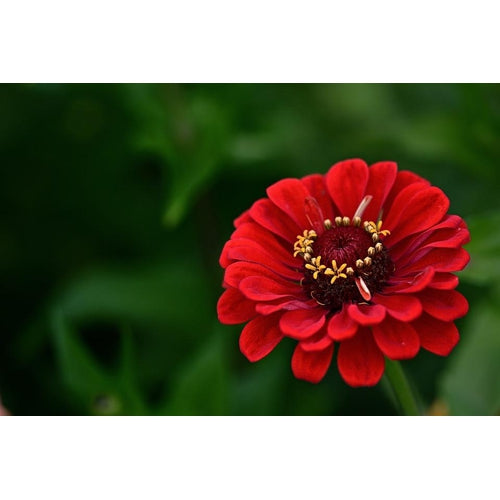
x=314, y=262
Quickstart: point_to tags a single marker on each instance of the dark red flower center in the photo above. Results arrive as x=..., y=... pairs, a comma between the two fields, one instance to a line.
x=346, y=263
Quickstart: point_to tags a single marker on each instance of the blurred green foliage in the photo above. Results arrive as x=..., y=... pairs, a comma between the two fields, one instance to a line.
x=116, y=202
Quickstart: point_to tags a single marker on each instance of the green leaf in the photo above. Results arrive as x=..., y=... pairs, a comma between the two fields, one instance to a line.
x=484, y=249
x=142, y=294
x=202, y=385
x=93, y=388
x=189, y=131
x=471, y=383
x=254, y=391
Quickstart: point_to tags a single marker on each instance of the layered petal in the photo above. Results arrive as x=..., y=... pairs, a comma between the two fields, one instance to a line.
x=317, y=342
x=250, y=251
x=233, y=307
x=341, y=326
x=393, y=213
x=289, y=195
x=411, y=283
x=281, y=304
x=360, y=361
x=302, y=323
x=346, y=182
x=265, y=238
x=396, y=339
x=366, y=314
x=381, y=179
x=244, y=217
x=438, y=337
x=446, y=305
x=408, y=216
x=450, y=233
x=259, y=288
x=401, y=307
x=316, y=186
x=311, y=365
x=441, y=259
x=238, y=271
x=404, y=178
x=268, y=215
x=260, y=337
x=444, y=281
x=314, y=215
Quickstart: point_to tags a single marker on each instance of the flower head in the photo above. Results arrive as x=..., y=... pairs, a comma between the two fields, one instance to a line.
x=359, y=260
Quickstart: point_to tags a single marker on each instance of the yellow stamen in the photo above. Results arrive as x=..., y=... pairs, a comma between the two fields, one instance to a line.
x=303, y=247
x=375, y=228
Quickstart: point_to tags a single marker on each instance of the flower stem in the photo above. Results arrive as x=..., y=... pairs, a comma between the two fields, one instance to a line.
x=402, y=390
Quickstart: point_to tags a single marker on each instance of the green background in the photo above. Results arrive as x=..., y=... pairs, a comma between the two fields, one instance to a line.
x=116, y=201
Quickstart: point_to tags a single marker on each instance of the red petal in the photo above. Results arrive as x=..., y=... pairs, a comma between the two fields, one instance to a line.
x=393, y=214
x=412, y=215
x=452, y=230
x=341, y=326
x=268, y=215
x=360, y=361
x=248, y=250
x=317, y=342
x=397, y=340
x=448, y=238
x=244, y=217
x=444, y=281
x=260, y=337
x=302, y=323
x=401, y=307
x=233, y=307
x=316, y=186
x=438, y=337
x=289, y=195
x=272, y=244
x=366, y=314
x=284, y=305
x=381, y=179
x=404, y=178
x=311, y=366
x=446, y=305
x=441, y=259
x=238, y=271
x=412, y=283
x=264, y=289
x=346, y=182
x=428, y=250
x=314, y=214
x=264, y=237
x=224, y=260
